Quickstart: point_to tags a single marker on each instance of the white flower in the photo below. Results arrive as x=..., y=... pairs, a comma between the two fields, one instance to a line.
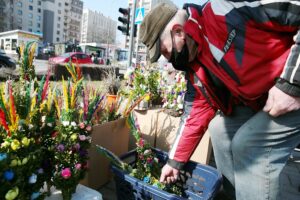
x=73, y=124
x=43, y=118
x=180, y=106
x=65, y=123
x=30, y=126
x=179, y=99
x=49, y=124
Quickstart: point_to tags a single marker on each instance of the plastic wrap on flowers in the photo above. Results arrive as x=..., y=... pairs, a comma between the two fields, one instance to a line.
x=73, y=139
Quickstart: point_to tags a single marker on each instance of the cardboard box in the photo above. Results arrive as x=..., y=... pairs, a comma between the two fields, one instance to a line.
x=160, y=130
x=115, y=137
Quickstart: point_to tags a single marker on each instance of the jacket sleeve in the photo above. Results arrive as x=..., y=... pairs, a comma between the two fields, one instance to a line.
x=194, y=122
x=280, y=16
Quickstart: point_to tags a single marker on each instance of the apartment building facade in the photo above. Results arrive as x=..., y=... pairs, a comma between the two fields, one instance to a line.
x=56, y=20
x=97, y=28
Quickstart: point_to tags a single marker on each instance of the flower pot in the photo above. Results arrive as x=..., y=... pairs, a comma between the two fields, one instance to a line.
x=111, y=100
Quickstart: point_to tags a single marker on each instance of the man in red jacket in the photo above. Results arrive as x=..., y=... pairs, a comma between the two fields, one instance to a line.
x=241, y=60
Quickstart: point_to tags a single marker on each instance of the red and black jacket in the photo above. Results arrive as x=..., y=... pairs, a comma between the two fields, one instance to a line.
x=244, y=49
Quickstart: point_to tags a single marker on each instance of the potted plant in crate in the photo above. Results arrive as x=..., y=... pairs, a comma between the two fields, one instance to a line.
x=139, y=176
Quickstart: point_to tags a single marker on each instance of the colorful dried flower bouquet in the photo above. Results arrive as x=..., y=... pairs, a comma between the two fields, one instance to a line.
x=44, y=133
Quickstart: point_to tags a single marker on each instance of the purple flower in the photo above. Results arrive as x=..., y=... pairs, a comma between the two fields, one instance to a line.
x=9, y=175
x=60, y=147
x=83, y=152
x=40, y=171
x=77, y=146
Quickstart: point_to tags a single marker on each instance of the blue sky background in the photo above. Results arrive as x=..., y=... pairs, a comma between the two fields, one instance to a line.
x=110, y=8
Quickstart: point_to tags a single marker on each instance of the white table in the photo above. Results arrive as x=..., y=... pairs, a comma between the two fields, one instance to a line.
x=82, y=193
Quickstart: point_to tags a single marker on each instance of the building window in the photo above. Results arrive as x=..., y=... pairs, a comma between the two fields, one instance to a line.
x=38, y=25
x=30, y=23
x=59, y=11
x=39, y=10
x=59, y=4
x=39, y=18
x=2, y=44
x=58, y=18
x=39, y=3
x=58, y=25
x=30, y=29
x=57, y=32
x=19, y=4
x=30, y=7
x=57, y=39
x=19, y=12
x=13, y=44
x=30, y=15
x=31, y=1
x=19, y=20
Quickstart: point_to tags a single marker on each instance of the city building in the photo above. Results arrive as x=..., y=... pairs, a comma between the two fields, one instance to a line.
x=74, y=16
x=57, y=21
x=97, y=28
x=139, y=48
x=62, y=20
x=10, y=40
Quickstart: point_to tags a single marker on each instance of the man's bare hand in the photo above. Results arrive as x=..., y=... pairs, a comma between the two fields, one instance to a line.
x=168, y=174
x=279, y=103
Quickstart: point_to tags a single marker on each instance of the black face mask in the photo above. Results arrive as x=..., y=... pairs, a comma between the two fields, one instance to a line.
x=180, y=59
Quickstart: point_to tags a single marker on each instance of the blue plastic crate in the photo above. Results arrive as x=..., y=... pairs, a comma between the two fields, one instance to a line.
x=198, y=181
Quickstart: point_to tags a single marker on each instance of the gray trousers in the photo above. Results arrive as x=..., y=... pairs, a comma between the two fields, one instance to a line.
x=251, y=149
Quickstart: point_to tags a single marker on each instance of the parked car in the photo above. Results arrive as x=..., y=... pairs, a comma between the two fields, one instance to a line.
x=76, y=57
x=7, y=62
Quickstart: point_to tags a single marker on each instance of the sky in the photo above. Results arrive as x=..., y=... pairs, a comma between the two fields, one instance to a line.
x=110, y=8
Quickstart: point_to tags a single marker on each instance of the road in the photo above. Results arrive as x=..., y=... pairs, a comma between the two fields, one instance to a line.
x=41, y=68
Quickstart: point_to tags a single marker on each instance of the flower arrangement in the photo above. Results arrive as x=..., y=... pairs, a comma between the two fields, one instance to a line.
x=141, y=81
x=22, y=123
x=72, y=138
x=173, y=90
x=147, y=167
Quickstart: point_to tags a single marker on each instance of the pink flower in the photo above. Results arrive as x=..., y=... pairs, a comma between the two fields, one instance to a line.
x=78, y=166
x=81, y=125
x=82, y=137
x=89, y=128
x=141, y=142
x=66, y=173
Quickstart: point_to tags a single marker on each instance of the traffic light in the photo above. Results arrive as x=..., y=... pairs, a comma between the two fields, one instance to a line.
x=125, y=20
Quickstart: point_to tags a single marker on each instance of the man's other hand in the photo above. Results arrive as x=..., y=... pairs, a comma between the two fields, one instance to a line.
x=168, y=174
x=279, y=103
